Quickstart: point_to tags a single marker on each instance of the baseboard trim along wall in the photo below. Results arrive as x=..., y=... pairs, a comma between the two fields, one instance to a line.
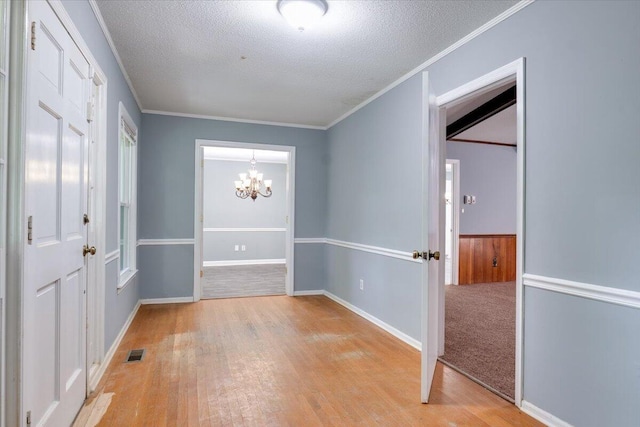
x=244, y=262
x=308, y=293
x=176, y=300
x=310, y=240
x=393, y=331
x=584, y=290
x=162, y=242
x=93, y=383
x=542, y=416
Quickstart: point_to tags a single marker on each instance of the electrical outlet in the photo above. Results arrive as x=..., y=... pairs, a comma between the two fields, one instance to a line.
x=244, y=248
x=361, y=284
x=237, y=248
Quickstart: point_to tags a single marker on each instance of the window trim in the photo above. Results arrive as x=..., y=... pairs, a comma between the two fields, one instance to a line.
x=127, y=125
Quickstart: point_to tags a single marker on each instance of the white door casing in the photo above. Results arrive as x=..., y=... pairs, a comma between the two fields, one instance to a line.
x=433, y=209
x=514, y=71
x=198, y=208
x=56, y=174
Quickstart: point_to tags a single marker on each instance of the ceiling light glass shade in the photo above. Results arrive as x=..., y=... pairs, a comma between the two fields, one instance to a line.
x=302, y=14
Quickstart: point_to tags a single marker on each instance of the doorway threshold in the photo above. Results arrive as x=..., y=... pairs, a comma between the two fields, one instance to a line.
x=477, y=381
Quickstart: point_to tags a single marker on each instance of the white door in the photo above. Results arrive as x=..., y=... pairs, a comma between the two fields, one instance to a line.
x=432, y=238
x=54, y=352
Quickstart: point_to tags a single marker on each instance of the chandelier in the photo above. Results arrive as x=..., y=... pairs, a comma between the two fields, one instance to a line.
x=251, y=184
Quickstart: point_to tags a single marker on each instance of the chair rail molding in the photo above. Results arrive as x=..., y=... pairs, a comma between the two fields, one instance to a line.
x=162, y=242
x=595, y=292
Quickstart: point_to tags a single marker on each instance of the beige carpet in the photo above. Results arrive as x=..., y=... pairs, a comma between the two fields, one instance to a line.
x=480, y=333
x=243, y=281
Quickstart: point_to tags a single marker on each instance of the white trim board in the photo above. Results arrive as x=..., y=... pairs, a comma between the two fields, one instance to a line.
x=111, y=256
x=242, y=229
x=595, y=292
x=163, y=242
x=495, y=21
x=97, y=376
x=310, y=240
x=379, y=323
x=175, y=300
x=243, y=262
x=232, y=119
x=308, y=293
x=543, y=416
x=107, y=36
x=392, y=253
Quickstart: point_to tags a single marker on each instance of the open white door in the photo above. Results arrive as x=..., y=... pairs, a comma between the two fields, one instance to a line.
x=54, y=352
x=433, y=208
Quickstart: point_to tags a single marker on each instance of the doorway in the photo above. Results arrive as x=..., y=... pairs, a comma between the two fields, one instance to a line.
x=480, y=313
x=434, y=179
x=244, y=239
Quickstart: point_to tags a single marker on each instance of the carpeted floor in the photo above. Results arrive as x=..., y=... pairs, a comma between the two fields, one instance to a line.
x=480, y=333
x=243, y=281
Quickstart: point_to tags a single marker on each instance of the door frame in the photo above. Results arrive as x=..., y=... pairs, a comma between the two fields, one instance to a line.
x=197, y=217
x=455, y=210
x=514, y=71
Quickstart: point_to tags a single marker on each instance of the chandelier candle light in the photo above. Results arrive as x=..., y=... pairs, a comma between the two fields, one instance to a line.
x=250, y=185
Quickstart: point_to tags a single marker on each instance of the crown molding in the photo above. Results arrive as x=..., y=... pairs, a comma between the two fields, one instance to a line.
x=231, y=119
x=466, y=39
x=107, y=35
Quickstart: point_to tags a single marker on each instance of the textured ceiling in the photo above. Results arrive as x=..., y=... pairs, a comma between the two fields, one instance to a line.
x=241, y=60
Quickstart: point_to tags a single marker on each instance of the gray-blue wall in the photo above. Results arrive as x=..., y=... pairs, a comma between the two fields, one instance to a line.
x=222, y=209
x=166, y=195
x=118, y=306
x=582, y=197
x=489, y=173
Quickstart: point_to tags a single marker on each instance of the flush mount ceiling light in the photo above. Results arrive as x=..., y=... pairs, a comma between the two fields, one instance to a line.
x=302, y=14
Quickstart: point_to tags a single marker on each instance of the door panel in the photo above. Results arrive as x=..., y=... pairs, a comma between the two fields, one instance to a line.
x=54, y=352
x=433, y=240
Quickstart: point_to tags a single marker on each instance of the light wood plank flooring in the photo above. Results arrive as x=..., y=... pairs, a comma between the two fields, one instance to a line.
x=278, y=361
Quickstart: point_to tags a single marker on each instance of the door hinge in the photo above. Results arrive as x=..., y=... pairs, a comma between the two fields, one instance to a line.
x=30, y=229
x=85, y=219
x=28, y=418
x=201, y=273
x=90, y=111
x=33, y=35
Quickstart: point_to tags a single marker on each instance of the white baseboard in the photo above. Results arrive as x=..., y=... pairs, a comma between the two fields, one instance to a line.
x=244, y=262
x=178, y=300
x=308, y=293
x=93, y=382
x=393, y=331
x=542, y=416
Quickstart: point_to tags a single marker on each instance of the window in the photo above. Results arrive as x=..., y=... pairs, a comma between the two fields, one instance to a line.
x=127, y=195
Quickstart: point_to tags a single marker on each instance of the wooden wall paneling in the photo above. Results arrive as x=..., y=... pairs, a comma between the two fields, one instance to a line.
x=477, y=253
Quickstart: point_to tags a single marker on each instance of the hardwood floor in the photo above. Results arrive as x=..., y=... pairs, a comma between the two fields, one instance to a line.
x=302, y=361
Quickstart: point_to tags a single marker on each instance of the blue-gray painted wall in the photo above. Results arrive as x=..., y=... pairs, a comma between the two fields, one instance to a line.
x=489, y=173
x=166, y=194
x=582, y=214
x=118, y=306
x=223, y=209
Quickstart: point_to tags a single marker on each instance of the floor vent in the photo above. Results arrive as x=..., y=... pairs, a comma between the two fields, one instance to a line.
x=135, y=355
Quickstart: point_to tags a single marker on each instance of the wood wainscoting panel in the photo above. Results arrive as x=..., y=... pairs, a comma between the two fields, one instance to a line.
x=477, y=255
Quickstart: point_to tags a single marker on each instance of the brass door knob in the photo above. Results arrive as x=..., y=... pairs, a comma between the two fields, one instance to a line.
x=88, y=250
x=417, y=255
x=435, y=255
